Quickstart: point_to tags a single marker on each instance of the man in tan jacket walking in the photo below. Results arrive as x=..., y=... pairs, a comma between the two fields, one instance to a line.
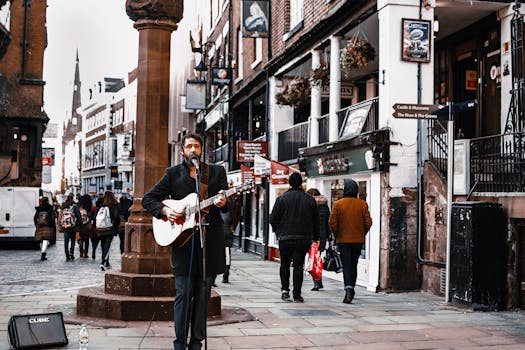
x=350, y=221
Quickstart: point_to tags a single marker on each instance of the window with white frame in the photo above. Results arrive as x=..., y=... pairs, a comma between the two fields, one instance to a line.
x=239, y=54
x=296, y=12
x=257, y=51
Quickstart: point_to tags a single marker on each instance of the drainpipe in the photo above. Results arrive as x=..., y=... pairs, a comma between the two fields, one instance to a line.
x=25, y=45
x=420, y=208
x=266, y=232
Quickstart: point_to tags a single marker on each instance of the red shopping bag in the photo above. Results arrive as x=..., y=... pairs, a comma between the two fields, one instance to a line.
x=314, y=263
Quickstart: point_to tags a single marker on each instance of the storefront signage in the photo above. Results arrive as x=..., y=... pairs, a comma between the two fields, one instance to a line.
x=415, y=45
x=114, y=171
x=221, y=76
x=332, y=165
x=355, y=120
x=414, y=111
x=195, y=94
x=261, y=166
x=247, y=150
x=48, y=156
x=246, y=174
x=280, y=173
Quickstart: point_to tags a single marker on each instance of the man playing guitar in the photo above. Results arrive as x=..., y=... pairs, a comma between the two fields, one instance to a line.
x=178, y=183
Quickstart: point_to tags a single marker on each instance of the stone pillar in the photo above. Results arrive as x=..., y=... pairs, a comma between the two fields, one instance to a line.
x=335, y=86
x=315, y=104
x=145, y=287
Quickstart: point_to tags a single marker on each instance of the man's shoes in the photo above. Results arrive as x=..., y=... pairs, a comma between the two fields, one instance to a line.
x=286, y=296
x=320, y=284
x=225, y=280
x=102, y=267
x=43, y=257
x=67, y=258
x=71, y=257
x=298, y=299
x=349, y=296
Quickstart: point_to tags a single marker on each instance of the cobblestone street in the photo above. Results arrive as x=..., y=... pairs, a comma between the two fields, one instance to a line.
x=22, y=272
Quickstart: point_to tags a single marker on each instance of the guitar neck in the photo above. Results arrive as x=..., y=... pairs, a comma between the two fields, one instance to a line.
x=209, y=201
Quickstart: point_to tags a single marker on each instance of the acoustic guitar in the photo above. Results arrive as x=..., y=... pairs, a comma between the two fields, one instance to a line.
x=178, y=233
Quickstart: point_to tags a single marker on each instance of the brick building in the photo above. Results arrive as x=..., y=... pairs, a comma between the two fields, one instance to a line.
x=22, y=118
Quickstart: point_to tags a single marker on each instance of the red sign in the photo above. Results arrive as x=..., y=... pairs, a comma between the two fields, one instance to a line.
x=279, y=173
x=246, y=150
x=246, y=174
x=46, y=160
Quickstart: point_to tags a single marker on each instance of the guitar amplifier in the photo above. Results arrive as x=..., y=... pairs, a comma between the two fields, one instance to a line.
x=37, y=331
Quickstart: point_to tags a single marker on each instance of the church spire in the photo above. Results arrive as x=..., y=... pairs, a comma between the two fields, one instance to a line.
x=77, y=102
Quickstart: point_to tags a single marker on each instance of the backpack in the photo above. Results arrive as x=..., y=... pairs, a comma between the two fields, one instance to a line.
x=103, y=219
x=67, y=218
x=43, y=218
x=84, y=216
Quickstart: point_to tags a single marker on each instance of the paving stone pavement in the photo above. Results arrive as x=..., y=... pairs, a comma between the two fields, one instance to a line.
x=374, y=321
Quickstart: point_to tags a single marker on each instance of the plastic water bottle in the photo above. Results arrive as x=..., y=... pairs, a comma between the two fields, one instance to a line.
x=83, y=338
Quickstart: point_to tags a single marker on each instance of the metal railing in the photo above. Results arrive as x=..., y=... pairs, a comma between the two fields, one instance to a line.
x=297, y=136
x=496, y=165
x=291, y=139
x=438, y=145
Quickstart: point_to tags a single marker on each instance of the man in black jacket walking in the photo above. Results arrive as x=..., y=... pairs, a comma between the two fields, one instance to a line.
x=187, y=261
x=295, y=221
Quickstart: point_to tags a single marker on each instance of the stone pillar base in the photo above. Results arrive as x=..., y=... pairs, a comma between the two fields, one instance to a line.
x=94, y=302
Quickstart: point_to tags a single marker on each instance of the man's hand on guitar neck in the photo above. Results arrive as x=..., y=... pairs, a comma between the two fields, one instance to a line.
x=221, y=200
x=172, y=215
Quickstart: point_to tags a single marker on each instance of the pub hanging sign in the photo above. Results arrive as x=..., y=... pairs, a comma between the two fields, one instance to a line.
x=221, y=76
x=333, y=165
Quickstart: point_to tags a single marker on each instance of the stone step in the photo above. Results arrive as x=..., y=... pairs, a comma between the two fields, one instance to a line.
x=93, y=302
x=132, y=284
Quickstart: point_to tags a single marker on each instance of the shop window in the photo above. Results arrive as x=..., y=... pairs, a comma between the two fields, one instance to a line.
x=441, y=89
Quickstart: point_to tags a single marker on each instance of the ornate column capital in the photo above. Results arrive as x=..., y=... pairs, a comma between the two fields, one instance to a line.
x=155, y=10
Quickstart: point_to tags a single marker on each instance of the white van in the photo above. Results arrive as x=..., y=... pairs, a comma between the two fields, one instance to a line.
x=17, y=209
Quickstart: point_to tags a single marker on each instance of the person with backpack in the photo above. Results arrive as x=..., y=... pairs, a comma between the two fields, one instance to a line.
x=67, y=222
x=85, y=225
x=107, y=223
x=45, y=225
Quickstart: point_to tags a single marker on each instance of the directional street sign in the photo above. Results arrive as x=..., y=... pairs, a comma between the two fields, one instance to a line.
x=414, y=111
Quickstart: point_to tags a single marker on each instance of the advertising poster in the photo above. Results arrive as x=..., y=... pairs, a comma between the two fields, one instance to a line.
x=416, y=40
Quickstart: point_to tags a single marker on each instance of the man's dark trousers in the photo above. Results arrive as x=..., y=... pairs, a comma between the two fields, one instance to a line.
x=198, y=298
x=292, y=250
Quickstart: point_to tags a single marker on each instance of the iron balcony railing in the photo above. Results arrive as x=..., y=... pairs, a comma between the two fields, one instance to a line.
x=291, y=139
x=497, y=163
x=297, y=136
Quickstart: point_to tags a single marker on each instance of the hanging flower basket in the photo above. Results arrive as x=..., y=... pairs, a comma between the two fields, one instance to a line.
x=294, y=94
x=320, y=75
x=357, y=53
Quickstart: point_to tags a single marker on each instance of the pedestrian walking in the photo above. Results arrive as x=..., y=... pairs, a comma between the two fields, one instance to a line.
x=85, y=208
x=230, y=219
x=325, y=235
x=191, y=293
x=107, y=223
x=125, y=204
x=67, y=222
x=45, y=225
x=350, y=221
x=94, y=235
x=295, y=221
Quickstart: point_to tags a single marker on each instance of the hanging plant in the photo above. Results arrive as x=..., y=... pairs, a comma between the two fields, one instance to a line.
x=295, y=94
x=357, y=53
x=320, y=75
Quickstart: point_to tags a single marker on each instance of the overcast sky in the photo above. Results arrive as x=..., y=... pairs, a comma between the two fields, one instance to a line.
x=107, y=45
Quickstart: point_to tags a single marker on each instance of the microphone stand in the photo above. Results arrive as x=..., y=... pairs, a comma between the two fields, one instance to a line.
x=203, y=247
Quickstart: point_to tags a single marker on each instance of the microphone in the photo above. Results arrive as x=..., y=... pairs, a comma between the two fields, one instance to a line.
x=194, y=161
